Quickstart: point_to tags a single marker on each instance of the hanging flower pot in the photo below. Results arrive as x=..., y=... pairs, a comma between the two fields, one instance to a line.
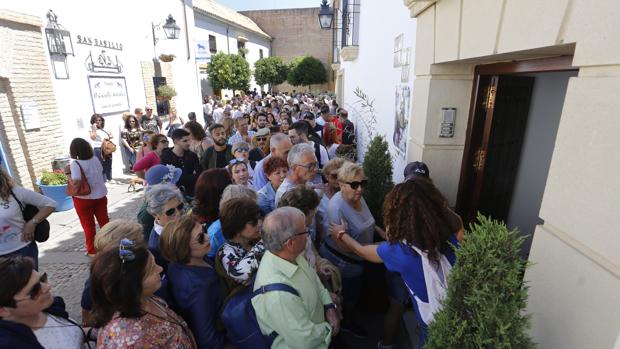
x=165, y=93
x=166, y=58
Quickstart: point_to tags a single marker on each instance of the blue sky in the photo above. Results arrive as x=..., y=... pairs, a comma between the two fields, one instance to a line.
x=240, y=5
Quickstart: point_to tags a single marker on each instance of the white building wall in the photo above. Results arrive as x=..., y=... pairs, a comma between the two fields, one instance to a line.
x=127, y=23
x=226, y=41
x=373, y=72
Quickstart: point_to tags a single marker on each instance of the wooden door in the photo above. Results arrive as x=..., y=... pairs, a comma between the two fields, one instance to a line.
x=495, y=138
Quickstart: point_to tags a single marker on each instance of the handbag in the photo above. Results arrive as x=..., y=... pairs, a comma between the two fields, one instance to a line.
x=82, y=189
x=42, y=230
x=107, y=146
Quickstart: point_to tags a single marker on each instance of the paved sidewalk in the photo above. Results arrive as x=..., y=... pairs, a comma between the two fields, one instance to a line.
x=63, y=255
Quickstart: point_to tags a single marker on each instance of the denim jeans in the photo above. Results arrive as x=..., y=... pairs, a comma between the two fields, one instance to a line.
x=106, y=163
x=31, y=250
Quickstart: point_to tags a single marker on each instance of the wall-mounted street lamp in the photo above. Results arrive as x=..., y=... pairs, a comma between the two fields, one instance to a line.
x=326, y=16
x=58, y=38
x=171, y=29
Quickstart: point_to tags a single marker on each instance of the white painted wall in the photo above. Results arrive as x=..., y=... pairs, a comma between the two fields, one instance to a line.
x=128, y=23
x=226, y=41
x=541, y=130
x=373, y=71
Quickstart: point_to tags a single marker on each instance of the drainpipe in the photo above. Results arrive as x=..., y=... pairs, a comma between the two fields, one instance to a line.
x=227, y=39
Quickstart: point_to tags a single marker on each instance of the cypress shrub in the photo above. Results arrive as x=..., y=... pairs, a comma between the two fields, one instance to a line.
x=486, y=298
x=378, y=169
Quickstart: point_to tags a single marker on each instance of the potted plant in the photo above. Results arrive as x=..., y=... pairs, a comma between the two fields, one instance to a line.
x=166, y=58
x=53, y=184
x=486, y=297
x=165, y=93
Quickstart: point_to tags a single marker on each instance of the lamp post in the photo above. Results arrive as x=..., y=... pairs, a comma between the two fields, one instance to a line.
x=326, y=16
x=171, y=29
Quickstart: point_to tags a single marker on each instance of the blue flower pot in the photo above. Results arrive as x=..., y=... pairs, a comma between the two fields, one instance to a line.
x=57, y=193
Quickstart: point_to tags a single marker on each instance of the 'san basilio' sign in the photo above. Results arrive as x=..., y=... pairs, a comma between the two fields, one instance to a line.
x=86, y=40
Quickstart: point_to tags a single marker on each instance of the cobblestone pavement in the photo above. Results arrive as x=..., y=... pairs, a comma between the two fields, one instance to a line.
x=63, y=255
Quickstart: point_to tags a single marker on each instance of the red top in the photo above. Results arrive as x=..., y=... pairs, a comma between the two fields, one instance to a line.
x=149, y=160
x=335, y=122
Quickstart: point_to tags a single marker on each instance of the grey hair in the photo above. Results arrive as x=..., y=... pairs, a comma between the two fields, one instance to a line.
x=158, y=195
x=279, y=226
x=296, y=151
x=237, y=191
x=276, y=139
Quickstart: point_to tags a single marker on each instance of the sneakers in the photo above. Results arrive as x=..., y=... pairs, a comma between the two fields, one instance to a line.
x=354, y=329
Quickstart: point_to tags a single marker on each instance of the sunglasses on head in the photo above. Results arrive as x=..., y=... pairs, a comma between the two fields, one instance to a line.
x=354, y=185
x=35, y=291
x=242, y=149
x=171, y=211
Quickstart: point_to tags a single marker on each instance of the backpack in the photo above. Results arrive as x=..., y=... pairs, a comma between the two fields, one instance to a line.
x=239, y=318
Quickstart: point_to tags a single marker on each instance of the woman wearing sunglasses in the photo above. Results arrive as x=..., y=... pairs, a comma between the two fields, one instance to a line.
x=158, y=143
x=126, y=311
x=348, y=209
x=165, y=203
x=238, y=259
x=30, y=316
x=194, y=284
x=241, y=150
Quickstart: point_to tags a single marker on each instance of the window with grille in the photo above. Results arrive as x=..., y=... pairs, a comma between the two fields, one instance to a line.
x=212, y=44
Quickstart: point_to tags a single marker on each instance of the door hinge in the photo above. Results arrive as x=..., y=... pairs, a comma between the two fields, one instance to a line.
x=479, y=159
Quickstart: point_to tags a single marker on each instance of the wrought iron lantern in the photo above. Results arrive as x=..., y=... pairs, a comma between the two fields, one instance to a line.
x=326, y=16
x=58, y=38
x=171, y=28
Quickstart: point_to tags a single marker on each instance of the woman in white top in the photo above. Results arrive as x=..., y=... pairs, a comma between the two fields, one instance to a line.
x=97, y=134
x=94, y=204
x=31, y=317
x=16, y=235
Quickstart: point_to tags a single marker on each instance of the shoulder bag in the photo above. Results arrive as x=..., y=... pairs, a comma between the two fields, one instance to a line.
x=107, y=146
x=82, y=189
x=42, y=230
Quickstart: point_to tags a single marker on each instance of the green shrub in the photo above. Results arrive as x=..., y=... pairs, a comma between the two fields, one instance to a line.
x=270, y=70
x=306, y=71
x=378, y=170
x=486, y=298
x=53, y=178
x=166, y=91
x=229, y=71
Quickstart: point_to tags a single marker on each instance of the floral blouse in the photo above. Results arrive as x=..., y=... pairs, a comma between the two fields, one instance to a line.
x=241, y=265
x=149, y=331
x=133, y=138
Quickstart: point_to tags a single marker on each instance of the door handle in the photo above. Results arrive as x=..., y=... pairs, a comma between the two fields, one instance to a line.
x=479, y=159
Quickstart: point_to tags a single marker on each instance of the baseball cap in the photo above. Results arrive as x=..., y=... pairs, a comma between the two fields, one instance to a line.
x=416, y=168
x=162, y=174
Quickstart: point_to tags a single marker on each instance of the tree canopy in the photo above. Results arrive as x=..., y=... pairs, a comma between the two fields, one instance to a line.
x=229, y=71
x=270, y=70
x=306, y=71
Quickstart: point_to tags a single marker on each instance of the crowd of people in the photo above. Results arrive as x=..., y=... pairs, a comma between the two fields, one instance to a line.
x=254, y=233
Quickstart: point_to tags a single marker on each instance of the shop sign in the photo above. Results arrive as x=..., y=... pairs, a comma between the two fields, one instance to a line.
x=86, y=40
x=30, y=114
x=203, y=55
x=108, y=94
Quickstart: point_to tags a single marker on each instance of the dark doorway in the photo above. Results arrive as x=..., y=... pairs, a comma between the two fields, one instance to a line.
x=502, y=105
x=163, y=106
x=499, y=114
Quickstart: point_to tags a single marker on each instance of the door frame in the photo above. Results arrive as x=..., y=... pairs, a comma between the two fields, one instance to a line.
x=553, y=64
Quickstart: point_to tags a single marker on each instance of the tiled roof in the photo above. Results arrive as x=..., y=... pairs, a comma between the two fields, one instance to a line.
x=222, y=12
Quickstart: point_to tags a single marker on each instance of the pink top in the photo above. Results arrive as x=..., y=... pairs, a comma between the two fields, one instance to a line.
x=149, y=160
x=148, y=331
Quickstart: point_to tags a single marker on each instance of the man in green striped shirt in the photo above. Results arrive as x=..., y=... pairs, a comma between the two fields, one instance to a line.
x=305, y=321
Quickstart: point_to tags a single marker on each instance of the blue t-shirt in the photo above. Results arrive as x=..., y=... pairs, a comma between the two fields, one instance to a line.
x=400, y=258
